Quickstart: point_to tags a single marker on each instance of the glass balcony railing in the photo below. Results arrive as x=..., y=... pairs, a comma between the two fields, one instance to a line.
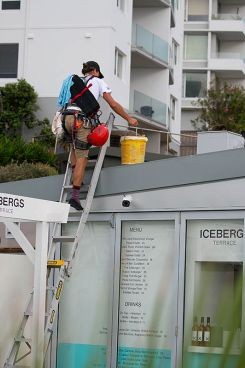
x=149, y=43
x=227, y=17
x=151, y=3
x=149, y=108
x=174, y=4
x=228, y=55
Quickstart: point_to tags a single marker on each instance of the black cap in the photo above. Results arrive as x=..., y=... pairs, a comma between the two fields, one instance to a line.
x=94, y=65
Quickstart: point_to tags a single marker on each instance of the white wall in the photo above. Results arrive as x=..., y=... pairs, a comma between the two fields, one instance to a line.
x=151, y=82
x=187, y=116
x=155, y=20
x=56, y=37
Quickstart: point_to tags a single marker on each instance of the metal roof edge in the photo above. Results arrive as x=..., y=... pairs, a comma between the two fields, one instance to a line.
x=177, y=171
x=161, y=173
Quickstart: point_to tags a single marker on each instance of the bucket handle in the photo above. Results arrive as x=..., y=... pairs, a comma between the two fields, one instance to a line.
x=137, y=129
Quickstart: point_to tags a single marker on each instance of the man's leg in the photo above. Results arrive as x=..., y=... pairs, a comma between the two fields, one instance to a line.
x=79, y=158
x=79, y=170
x=78, y=175
x=73, y=159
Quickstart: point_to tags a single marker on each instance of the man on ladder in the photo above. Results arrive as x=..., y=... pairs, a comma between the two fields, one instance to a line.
x=79, y=152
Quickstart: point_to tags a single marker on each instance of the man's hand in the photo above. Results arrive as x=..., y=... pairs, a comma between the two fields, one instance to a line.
x=132, y=121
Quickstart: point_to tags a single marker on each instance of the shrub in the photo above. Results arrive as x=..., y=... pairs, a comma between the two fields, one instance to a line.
x=26, y=170
x=19, y=104
x=15, y=150
x=222, y=109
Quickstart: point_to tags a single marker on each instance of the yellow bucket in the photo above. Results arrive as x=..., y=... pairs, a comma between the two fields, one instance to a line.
x=133, y=149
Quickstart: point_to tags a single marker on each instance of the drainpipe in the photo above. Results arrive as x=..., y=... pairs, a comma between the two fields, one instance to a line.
x=25, y=44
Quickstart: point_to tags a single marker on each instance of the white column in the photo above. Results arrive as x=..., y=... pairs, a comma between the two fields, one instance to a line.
x=39, y=297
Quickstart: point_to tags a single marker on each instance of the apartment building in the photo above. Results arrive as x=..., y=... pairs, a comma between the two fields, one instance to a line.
x=137, y=44
x=214, y=47
x=156, y=70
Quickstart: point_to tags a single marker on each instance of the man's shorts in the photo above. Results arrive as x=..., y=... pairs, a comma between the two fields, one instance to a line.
x=81, y=134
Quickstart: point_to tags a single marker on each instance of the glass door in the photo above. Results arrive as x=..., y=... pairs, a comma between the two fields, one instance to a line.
x=214, y=272
x=84, y=328
x=145, y=295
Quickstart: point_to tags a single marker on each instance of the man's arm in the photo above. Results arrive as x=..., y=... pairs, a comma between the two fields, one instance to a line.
x=119, y=109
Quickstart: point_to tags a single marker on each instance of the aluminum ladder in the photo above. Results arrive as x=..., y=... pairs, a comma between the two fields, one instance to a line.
x=65, y=267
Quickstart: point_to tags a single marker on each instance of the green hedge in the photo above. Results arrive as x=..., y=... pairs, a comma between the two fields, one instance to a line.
x=26, y=170
x=15, y=150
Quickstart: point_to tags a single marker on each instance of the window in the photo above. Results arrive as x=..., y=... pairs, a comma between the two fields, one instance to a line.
x=118, y=69
x=197, y=10
x=196, y=47
x=175, y=52
x=214, y=290
x=173, y=107
x=121, y=5
x=10, y=5
x=9, y=60
x=195, y=84
x=87, y=346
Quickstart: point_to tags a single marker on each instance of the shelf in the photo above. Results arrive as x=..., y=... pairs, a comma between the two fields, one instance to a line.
x=211, y=350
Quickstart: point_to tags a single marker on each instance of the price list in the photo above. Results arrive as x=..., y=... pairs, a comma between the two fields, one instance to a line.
x=145, y=251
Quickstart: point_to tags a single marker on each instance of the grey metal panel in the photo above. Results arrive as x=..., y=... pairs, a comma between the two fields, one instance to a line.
x=47, y=188
x=166, y=173
x=215, y=195
x=177, y=171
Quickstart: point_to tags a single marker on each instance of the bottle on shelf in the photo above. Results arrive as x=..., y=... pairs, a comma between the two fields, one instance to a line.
x=200, y=333
x=207, y=333
x=194, y=341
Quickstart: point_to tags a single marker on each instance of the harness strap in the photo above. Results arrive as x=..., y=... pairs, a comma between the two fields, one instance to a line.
x=81, y=93
x=81, y=145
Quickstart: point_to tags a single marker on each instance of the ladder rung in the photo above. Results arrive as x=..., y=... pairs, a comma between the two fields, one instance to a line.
x=84, y=188
x=29, y=314
x=63, y=238
x=56, y=263
x=22, y=339
x=16, y=366
x=68, y=186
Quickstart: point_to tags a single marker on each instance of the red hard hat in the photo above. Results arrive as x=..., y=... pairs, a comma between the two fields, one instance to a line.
x=98, y=136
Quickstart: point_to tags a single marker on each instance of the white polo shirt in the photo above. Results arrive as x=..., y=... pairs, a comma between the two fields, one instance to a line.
x=98, y=86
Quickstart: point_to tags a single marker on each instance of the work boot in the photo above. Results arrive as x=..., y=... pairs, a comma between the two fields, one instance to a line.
x=75, y=204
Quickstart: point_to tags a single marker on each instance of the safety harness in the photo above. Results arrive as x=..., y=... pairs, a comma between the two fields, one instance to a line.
x=89, y=122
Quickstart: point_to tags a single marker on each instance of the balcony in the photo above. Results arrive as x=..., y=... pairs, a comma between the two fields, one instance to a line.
x=189, y=104
x=149, y=110
x=195, y=26
x=173, y=7
x=171, y=67
x=148, y=50
x=228, y=27
x=151, y=3
x=231, y=2
x=228, y=65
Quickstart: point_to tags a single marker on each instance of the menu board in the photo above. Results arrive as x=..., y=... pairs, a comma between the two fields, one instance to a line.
x=147, y=279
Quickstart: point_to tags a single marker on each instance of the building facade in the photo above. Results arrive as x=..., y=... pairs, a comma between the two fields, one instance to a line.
x=214, y=48
x=137, y=44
